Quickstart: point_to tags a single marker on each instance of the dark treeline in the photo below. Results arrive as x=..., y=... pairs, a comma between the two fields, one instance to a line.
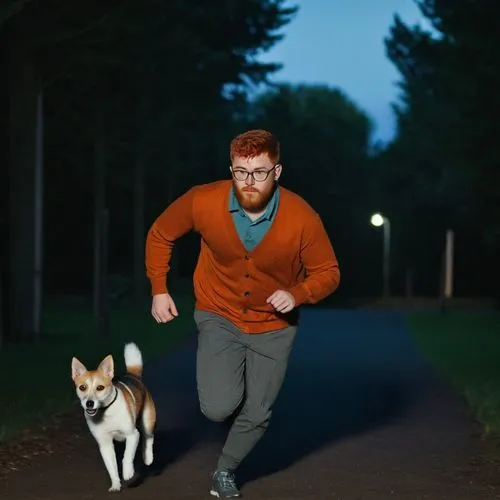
x=141, y=99
x=442, y=170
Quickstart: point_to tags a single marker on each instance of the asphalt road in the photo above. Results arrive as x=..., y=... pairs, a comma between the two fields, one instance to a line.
x=361, y=416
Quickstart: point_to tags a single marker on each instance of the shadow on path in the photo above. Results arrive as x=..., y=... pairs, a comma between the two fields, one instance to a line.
x=170, y=445
x=350, y=371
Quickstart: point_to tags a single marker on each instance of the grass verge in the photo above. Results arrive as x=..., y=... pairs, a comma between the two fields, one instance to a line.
x=36, y=380
x=465, y=348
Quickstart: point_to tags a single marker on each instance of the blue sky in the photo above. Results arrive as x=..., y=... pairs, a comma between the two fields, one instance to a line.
x=340, y=43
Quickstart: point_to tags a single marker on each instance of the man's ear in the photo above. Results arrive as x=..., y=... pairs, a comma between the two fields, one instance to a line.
x=277, y=171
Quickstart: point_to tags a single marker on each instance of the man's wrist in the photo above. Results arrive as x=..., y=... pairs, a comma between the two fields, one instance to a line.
x=299, y=293
x=158, y=286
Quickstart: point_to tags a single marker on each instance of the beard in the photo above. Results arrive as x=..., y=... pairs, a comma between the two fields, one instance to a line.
x=254, y=200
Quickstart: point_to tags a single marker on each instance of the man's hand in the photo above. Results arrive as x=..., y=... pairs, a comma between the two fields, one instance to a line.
x=282, y=301
x=163, y=308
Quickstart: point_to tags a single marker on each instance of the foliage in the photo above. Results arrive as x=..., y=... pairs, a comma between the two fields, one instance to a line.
x=150, y=81
x=67, y=325
x=443, y=164
x=450, y=87
x=325, y=139
x=464, y=348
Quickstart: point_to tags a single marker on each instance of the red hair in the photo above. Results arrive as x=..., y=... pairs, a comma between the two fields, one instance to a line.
x=254, y=143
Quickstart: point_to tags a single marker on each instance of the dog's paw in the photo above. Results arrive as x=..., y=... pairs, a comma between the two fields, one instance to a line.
x=148, y=457
x=128, y=472
x=115, y=487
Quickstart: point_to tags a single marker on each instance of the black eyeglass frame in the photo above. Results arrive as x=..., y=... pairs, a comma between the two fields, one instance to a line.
x=246, y=173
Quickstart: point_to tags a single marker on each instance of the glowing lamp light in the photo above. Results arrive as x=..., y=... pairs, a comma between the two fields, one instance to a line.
x=377, y=220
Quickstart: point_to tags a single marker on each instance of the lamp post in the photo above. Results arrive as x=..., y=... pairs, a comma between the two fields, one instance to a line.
x=378, y=220
x=448, y=264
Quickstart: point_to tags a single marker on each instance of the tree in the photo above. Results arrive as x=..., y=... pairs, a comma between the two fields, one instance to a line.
x=325, y=141
x=156, y=71
x=444, y=157
x=450, y=86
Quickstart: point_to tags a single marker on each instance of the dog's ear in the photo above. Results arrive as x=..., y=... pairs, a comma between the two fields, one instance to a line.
x=107, y=366
x=77, y=368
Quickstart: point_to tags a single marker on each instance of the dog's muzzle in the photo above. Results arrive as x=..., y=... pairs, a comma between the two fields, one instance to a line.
x=90, y=407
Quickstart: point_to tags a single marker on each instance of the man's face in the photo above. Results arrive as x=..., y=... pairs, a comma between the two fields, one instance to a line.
x=254, y=194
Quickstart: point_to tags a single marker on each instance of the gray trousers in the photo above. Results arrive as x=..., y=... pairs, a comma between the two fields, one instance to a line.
x=237, y=370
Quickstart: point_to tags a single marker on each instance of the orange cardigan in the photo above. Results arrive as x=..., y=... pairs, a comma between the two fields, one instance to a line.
x=294, y=255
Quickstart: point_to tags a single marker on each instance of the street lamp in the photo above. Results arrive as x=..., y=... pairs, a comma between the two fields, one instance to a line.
x=378, y=220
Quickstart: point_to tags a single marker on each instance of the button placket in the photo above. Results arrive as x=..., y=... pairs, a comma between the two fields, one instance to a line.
x=246, y=293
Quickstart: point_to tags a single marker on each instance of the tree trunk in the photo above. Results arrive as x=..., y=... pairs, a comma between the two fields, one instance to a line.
x=2, y=324
x=4, y=185
x=175, y=263
x=409, y=283
x=139, y=235
x=101, y=317
x=24, y=86
x=38, y=223
x=105, y=327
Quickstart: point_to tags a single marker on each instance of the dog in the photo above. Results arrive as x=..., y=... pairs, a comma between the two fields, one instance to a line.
x=114, y=408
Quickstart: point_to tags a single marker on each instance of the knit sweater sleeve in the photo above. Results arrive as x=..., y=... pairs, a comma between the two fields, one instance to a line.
x=320, y=263
x=174, y=222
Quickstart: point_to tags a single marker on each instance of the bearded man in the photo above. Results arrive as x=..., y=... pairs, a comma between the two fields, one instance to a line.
x=264, y=252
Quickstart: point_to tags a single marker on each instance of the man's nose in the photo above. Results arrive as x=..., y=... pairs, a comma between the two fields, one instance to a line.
x=89, y=404
x=250, y=180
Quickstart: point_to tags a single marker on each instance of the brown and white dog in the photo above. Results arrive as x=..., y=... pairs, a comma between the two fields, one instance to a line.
x=113, y=408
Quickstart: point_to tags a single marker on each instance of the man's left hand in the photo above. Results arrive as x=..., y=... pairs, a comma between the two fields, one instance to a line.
x=282, y=301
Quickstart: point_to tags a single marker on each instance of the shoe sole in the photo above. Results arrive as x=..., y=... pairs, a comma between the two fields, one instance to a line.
x=215, y=494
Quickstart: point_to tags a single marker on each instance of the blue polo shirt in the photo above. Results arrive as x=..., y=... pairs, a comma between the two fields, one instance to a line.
x=252, y=232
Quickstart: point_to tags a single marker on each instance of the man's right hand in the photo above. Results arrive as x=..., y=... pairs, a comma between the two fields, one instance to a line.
x=163, y=308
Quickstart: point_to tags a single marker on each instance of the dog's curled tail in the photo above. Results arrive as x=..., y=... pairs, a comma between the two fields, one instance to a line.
x=133, y=359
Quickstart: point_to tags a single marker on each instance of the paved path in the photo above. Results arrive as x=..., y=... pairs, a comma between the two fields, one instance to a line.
x=360, y=417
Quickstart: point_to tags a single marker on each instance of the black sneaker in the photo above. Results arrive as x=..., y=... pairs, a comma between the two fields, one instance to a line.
x=224, y=485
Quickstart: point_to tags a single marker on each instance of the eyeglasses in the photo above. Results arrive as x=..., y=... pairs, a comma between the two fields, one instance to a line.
x=258, y=175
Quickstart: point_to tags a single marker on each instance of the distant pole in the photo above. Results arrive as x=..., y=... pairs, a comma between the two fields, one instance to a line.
x=387, y=257
x=449, y=252
x=378, y=220
x=38, y=221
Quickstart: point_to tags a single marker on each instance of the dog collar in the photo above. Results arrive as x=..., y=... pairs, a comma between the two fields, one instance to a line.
x=114, y=399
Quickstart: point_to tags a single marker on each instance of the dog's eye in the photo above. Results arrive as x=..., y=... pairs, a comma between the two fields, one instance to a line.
x=83, y=387
x=100, y=388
